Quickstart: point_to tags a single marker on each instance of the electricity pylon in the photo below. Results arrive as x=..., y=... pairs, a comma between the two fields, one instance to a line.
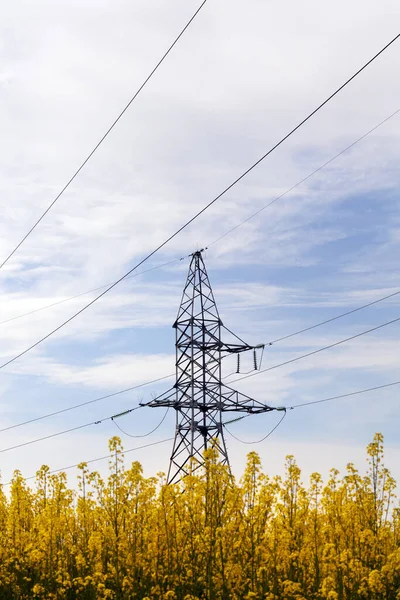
x=198, y=396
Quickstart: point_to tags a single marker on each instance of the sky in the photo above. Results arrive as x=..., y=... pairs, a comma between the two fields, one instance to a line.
x=242, y=76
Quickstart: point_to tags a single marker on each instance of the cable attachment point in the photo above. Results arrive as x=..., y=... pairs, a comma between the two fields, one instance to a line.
x=238, y=363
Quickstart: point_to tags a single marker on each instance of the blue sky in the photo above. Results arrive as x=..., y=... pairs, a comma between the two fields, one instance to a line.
x=237, y=82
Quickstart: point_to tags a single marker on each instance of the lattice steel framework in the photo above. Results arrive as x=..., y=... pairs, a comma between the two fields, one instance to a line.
x=198, y=396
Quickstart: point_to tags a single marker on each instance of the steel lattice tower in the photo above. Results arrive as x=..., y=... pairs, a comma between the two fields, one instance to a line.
x=199, y=397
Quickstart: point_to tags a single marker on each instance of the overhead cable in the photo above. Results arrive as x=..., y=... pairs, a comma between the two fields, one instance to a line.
x=292, y=360
x=312, y=402
x=69, y=299
x=296, y=185
x=104, y=136
x=263, y=438
x=349, y=312
x=143, y=434
x=64, y=410
x=100, y=287
x=371, y=389
x=278, y=408
x=95, y=460
x=53, y=435
x=201, y=211
x=379, y=387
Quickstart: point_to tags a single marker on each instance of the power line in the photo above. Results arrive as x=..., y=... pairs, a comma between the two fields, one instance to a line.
x=263, y=438
x=200, y=212
x=101, y=287
x=48, y=437
x=47, y=306
x=283, y=408
x=371, y=389
x=349, y=312
x=96, y=459
x=64, y=410
x=97, y=422
x=105, y=135
x=292, y=360
x=379, y=387
x=294, y=406
x=325, y=164
x=145, y=434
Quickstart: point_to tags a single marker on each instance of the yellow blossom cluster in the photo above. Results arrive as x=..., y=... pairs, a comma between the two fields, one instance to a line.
x=128, y=537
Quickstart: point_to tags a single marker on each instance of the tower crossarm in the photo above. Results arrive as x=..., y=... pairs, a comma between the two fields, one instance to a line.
x=234, y=401
x=167, y=399
x=236, y=348
x=216, y=345
x=226, y=400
